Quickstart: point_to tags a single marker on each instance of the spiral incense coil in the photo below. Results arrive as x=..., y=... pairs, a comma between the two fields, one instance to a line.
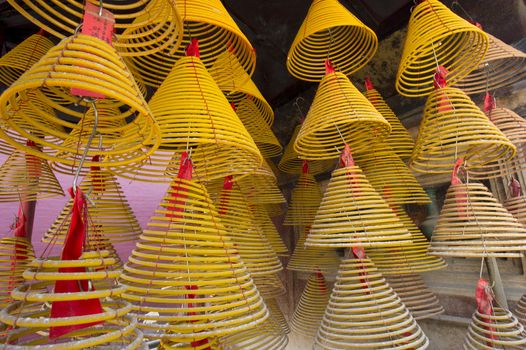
x=269, y=229
x=252, y=245
x=185, y=278
x=31, y=313
x=312, y=259
x=454, y=127
x=15, y=254
x=22, y=57
x=274, y=209
x=330, y=30
x=110, y=214
x=262, y=187
x=309, y=310
x=353, y=214
x=517, y=207
x=520, y=310
x=364, y=312
x=473, y=223
x=24, y=177
x=502, y=66
x=48, y=83
x=193, y=113
x=399, y=139
x=513, y=127
x=501, y=330
x=416, y=296
x=436, y=34
x=390, y=177
x=304, y=202
x=407, y=258
x=339, y=115
x=269, y=286
x=210, y=23
x=277, y=314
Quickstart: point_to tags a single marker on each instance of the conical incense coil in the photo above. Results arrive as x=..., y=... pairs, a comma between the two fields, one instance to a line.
x=309, y=311
x=252, y=245
x=513, y=127
x=269, y=229
x=65, y=67
x=339, y=115
x=269, y=286
x=390, y=177
x=517, y=207
x=210, y=23
x=304, y=202
x=436, y=34
x=501, y=330
x=330, y=30
x=31, y=312
x=22, y=57
x=312, y=259
x=416, y=296
x=454, y=127
x=408, y=258
x=520, y=310
x=352, y=214
x=110, y=214
x=15, y=254
x=399, y=139
x=290, y=162
x=364, y=312
x=185, y=278
x=25, y=177
x=473, y=223
x=502, y=65
x=277, y=314
x=274, y=209
x=261, y=187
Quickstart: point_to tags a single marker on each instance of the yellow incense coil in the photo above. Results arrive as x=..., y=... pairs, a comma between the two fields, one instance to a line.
x=500, y=330
x=313, y=259
x=22, y=57
x=311, y=306
x=269, y=286
x=252, y=245
x=473, y=223
x=262, y=187
x=399, y=139
x=185, y=278
x=290, y=162
x=513, y=127
x=48, y=82
x=454, y=127
x=339, y=115
x=353, y=214
x=390, y=177
x=109, y=213
x=277, y=314
x=364, y=312
x=274, y=209
x=25, y=177
x=503, y=65
x=210, y=23
x=304, y=201
x=416, y=296
x=436, y=35
x=15, y=254
x=269, y=229
x=407, y=258
x=517, y=207
x=330, y=30
x=30, y=313
x=209, y=344
x=520, y=310
x=193, y=113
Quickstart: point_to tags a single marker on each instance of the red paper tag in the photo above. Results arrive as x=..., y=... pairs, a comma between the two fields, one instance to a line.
x=346, y=159
x=193, y=48
x=439, y=80
x=180, y=192
x=321, y=282
x=515, y=187
x=329, y=68
x=225, y=194
x=484, y=297
x=489, y=103
x=369, y=84
x=305, y=167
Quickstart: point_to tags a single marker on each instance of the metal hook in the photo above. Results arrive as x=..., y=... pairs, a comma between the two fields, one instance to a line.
x=101, y=7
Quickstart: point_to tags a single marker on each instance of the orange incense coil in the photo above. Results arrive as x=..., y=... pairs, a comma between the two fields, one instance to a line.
x=66, y=66
x=304, y=202
x=436, y=34
x=473, y=223
x=290, y=162
x=454, y=127
x=262, y=187
x=269, y=230
x=330, y=30
x=22, y=57
x=15, y=254
x=416, y=296
x=311, y=306
x=502, y=65
x=252, y=245
x=185, y=278
x=25, y=177
x=31, y=314
x=520, y=310
x=364, y=312
x=339, y=115
x=269, y=286
x=501, y=330
x=407, y=258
